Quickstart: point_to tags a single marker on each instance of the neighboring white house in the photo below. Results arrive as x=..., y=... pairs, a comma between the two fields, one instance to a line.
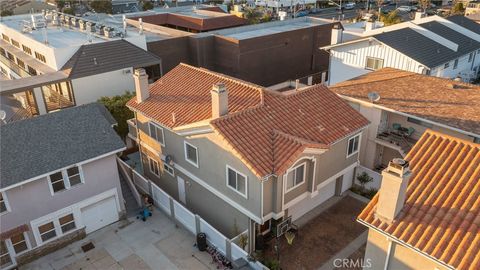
x=56, y=61
x=436, y=46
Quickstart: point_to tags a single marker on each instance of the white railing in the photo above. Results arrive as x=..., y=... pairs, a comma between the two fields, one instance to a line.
x=377, y=178
x=125, y=171
x=192, y=222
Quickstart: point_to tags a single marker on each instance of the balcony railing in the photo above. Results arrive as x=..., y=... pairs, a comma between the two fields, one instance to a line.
x=396, y=141
x=132, y=128
x=14, y=67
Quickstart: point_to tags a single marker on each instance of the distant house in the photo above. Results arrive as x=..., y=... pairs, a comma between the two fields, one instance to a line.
x=472, y=8
x=59, y=181
x=426, y=214
x=435, y=46
x=405, y=106
x=33, y=7
x=240, y=155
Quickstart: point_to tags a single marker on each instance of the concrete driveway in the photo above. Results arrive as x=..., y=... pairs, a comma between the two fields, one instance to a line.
x=131, y=244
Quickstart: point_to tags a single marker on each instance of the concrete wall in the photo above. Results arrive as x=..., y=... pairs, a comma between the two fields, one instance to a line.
x=401, y=257
x=90, y=89
x=99, y=176
x=171, y=51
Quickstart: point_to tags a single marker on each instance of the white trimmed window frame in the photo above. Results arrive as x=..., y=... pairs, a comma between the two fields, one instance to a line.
x=236, y=181
x=292, y=170
x=357, y=136
x=157, y=128
x=169, y=169
x=185, y=143
x=7, y=204
x=150, y=161
x=66, y=179
x=56, y=225
x=11, y=248
x=376, y=62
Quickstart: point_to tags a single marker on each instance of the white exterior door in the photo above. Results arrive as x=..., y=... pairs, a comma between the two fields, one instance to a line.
x=181, y=190
x=99, y=214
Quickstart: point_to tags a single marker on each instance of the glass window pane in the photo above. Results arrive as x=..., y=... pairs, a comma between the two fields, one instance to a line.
x=241, y=184
x=56, y=177
x=299, y=174
x=20, y=247
x=232, y=181
x=19, y=243
x=72, y=171
x=290, y=179
x=3, y=207
x=48, y=235
x=153, y=133
x=46, y=227
x=75, y=180
x=58, y=186
x=66, y=219
x=68, y=227
x=3, y=248
x=191, y=153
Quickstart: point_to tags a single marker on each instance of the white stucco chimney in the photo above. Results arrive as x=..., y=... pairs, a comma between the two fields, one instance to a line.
x=337, y=33
x=419, y=15
x=219, y=100
x=141, y=84
x=393, y=189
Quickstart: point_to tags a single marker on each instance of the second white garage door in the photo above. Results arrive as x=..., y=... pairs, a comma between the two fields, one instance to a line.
x=99, y=214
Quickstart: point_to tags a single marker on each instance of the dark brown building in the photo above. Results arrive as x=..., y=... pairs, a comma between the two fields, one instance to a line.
x=265, y=54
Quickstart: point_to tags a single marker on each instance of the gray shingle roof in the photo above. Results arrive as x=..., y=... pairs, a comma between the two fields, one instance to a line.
x=42, y=144
x=465, y=22
x=96, y=58
x=425, y=50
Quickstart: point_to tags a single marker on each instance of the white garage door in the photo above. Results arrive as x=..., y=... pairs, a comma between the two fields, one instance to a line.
x=99, y=214
x=307, y=204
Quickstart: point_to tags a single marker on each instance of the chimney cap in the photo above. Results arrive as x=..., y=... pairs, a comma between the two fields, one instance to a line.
x=140, y=72
x=219, y=87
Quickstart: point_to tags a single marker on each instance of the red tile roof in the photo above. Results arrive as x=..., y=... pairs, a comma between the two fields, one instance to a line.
x=267, y=130
x=440, y=100
x=441, y=215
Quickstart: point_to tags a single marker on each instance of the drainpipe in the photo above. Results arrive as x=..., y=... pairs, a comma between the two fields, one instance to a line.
x=389, y=251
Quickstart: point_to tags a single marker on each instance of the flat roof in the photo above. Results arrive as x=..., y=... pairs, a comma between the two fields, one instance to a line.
x=264, y=29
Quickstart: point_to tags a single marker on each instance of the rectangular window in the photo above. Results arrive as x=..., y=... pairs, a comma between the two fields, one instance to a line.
x=65, y=179
x=15, y=43
x=32, y=71
x=40, y=57
x=3, y=203
x=6, y=38
x=19, y=243
x=67, y=223
x=3, y=52
x=156, y=133
x=446, y=65
x=237, y=181
x=20, y=63
x=10, y=56
x=295, y=177
x=27, y=50
x=5, y=259
x=153, y=164
x=374, y=63
x=191, y=154
x=419, y=122
x=353, y=145
x=56, y=180
x=470, y=57
x=455, y=64
x=47, y=231
x=168, y=169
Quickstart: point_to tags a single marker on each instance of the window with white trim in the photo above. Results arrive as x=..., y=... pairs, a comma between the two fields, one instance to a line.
x=470, y=57
x=169, y=169
x=19, y=243
x=455, y=64
x=67, y=223
x=156, y=133
x=66, y=179
x=153, y=165
x=47, y=231
x=237, y=181
x=295, y=176
x=374, y=63
x=191, y=154
x=446, y=65
x=5, y=259
x=3, y=203
x=353, y=144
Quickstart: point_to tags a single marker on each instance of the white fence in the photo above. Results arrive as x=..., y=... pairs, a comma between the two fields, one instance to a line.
x=377, y=178
x=193, y=223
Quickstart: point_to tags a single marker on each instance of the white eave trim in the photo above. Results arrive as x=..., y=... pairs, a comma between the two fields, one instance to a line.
x=61, y=169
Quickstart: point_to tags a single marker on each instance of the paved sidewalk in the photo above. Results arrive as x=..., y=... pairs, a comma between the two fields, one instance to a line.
x=131, y=244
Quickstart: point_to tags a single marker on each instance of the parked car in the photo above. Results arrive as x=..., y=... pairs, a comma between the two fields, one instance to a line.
x=404, y=8
x=349, y=6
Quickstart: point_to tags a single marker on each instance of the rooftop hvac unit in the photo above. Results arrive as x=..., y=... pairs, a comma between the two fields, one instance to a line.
x=108, y=32
x=74, y=22
x=55, y=19
x=66, y=20
x=99, y=29
x=38, y=21
x=82, y=25
x=90, y=26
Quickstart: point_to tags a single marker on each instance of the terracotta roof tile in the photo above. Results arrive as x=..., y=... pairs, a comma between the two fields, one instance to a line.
x=427, y=97
x=441, y=215
x=267, y=130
